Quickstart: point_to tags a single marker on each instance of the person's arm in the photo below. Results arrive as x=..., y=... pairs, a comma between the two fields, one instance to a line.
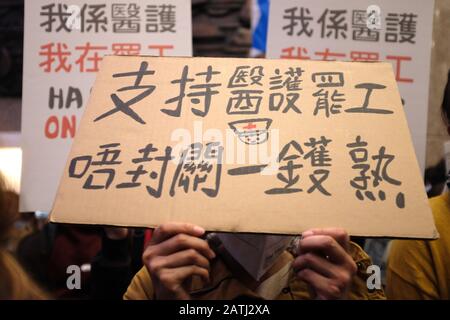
x=400, y=289
x=410, y=274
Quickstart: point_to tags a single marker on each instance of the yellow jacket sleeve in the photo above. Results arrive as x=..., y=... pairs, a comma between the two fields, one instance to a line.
x=418, y=269
x=140, y=287
x=409, y=271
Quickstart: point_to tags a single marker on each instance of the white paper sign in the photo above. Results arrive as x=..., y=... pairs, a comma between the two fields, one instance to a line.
x=399, y=32
x=63, y=48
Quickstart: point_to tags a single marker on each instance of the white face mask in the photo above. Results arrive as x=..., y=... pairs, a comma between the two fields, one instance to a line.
x=256, y=253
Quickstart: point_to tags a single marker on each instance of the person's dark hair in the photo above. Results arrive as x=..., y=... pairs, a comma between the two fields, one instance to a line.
x=446, y=102
x=15, y=283
x=8, y=210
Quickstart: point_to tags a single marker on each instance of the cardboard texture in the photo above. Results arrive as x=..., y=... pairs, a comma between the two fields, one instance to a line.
x=269, y=146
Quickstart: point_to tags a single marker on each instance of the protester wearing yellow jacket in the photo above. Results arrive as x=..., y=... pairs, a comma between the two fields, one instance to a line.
x=420, y=269
x=328, y=266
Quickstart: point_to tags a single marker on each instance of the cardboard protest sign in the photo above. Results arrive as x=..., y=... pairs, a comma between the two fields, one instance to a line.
x=245, y=145
x=64, y=44
x=398, y=32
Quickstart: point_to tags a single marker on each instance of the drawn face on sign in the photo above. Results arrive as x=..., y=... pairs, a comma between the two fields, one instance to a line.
x=328, y=79
x=252, y=131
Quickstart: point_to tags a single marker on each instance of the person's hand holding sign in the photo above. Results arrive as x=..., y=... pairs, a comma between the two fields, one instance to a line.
x=175, y=254
x=324, y=263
